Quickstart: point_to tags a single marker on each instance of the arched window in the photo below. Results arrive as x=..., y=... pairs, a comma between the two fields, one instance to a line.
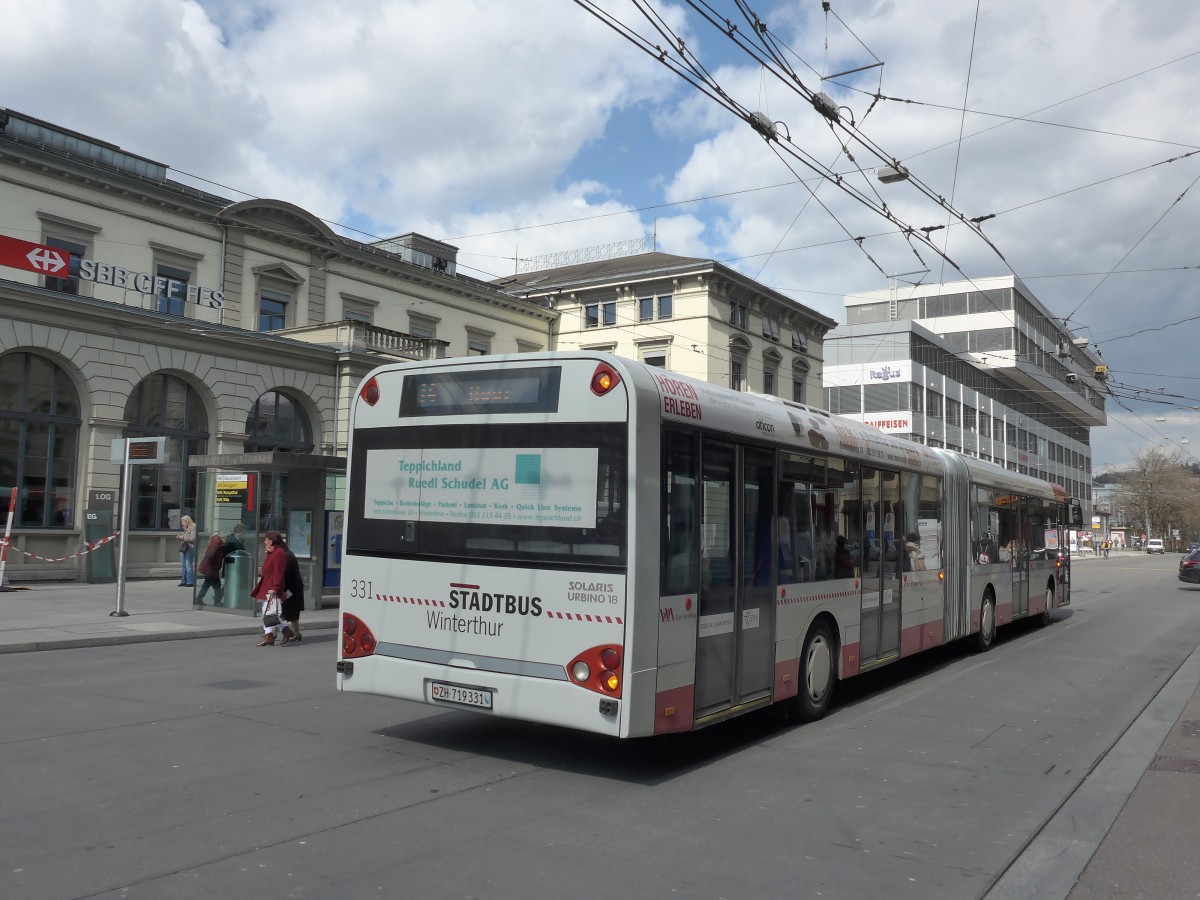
x=276, y=422
x=39, y=441
x=163, y=405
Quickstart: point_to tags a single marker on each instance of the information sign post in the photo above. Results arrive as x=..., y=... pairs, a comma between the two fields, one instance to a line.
x=135, y=452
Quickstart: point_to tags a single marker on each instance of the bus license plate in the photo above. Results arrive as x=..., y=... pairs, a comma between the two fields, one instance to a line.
x=464, y=696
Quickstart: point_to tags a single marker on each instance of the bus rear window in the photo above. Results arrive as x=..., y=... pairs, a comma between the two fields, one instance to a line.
x=459, y=393
x=548, y=494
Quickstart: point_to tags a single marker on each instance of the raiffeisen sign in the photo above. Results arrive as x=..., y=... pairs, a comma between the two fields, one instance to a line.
x=56, y=263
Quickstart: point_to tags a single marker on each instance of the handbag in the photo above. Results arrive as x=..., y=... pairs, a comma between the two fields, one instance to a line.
x=271, y=610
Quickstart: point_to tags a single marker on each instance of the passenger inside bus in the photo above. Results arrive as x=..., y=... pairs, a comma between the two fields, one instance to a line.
x=843, y=559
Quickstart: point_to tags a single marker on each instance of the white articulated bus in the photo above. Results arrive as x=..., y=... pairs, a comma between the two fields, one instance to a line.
x=582, y=540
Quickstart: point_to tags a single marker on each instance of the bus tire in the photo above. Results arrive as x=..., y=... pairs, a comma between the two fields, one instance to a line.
x=818, y=674
x=1044, y=619
x=986, y=635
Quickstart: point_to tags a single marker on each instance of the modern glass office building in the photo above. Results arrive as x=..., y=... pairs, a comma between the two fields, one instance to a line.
x=979, y=366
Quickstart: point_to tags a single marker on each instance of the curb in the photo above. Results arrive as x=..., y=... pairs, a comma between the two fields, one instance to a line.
x=109, y=640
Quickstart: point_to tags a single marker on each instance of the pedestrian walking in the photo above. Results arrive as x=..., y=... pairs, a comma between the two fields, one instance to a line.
x=271, y=586
x=187, y=551
x=293, y=603
x=210, y=568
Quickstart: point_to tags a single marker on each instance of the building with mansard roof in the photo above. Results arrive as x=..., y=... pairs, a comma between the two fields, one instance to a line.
x=697, y=317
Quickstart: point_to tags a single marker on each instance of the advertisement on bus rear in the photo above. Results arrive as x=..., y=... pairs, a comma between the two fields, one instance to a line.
x=548, y=487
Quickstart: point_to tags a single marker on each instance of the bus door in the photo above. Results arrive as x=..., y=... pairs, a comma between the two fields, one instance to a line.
x=883, y=566
x=735, y=649
x=1020, y=560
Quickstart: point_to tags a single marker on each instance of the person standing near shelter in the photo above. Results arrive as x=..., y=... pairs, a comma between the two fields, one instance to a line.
x=209, y=569
x=294, y=601
x=271, y=585
x=187, y=551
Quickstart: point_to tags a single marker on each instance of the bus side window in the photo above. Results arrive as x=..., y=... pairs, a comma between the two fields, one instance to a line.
x=681, y=507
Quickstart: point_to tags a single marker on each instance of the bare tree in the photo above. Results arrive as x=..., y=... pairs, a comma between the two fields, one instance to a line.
x=1158, y=492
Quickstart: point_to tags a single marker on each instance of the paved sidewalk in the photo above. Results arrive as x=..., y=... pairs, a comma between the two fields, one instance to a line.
x=57, y=616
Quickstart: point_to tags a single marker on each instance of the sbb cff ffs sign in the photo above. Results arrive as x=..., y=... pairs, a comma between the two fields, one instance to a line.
x=17, y=254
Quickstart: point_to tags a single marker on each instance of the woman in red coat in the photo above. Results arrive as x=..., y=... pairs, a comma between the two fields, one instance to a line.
x=271, y=583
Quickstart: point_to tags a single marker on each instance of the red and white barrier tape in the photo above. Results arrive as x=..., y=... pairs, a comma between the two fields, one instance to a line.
x=87, y=548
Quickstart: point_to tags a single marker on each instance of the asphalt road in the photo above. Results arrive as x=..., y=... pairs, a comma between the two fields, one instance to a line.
x=214, y=768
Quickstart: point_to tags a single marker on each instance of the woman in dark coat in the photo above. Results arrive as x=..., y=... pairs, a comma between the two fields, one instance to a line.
x=293, y=603
x=272, y=579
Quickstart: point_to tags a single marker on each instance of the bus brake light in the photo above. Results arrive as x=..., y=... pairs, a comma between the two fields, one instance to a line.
x=357, y=639
x=604, y=379
x=370, y=392
x=598, y=669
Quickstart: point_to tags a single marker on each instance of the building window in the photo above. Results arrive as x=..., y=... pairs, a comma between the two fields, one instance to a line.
x=479, y=343
x=163, y=405
x=884, y=397
x=272, y=310
x=799, y=341
x=358, y=312
x=600, y=313
x=68, y=283
x=649, y=307
x=277, y=422
x=933, y=404
x=654, y=354
x=422, y=326
x=916, y=398
x=770, y=376
x=739, y=314
x=845, y=400
x=953, y=412
x=770, y=328
x=39, y=440
x=737, y=373
x=171, y=287
x=798, y=389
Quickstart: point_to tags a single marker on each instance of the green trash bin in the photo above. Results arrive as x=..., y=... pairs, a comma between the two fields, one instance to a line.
x=237, y=580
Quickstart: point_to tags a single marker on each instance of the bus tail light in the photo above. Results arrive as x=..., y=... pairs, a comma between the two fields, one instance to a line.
x=370, y=392
x=357, y=639
x=598, y=669
x=604, y=379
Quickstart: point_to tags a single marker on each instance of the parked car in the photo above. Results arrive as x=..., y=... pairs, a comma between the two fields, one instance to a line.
x=1154, y=545
x=1189, y=568
x=1193, y=546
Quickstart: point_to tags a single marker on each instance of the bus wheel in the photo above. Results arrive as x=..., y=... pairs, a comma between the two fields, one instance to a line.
x=818, y=674
x=1044, y=619
x=987, y=624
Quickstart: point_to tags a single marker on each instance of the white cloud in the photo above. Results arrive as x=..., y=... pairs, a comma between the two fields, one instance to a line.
x=464, y=119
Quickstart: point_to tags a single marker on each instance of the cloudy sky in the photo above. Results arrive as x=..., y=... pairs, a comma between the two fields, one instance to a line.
x=529, y=127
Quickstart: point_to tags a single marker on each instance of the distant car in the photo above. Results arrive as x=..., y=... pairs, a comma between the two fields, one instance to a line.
x=1189, y=568
x=1193, y=546
x=1154, y=545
